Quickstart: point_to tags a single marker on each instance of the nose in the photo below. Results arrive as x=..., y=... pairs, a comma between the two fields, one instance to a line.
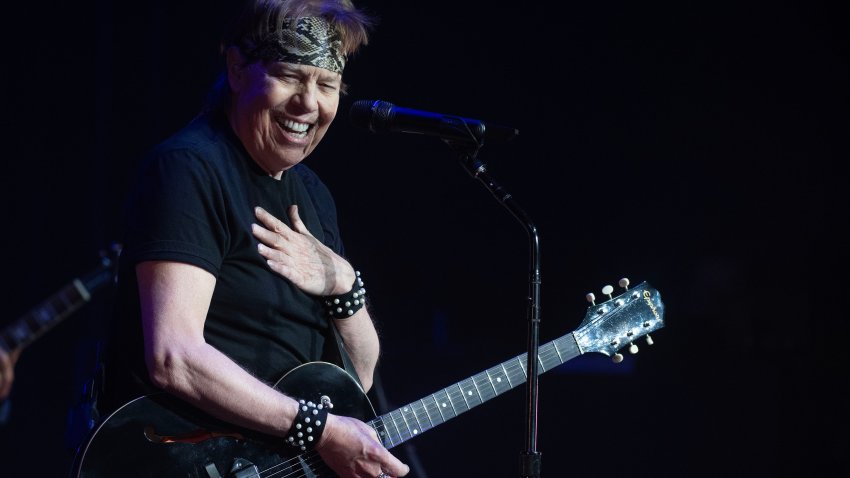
x=306, y=99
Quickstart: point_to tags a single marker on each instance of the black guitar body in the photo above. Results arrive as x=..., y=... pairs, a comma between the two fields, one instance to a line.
x=159, y=436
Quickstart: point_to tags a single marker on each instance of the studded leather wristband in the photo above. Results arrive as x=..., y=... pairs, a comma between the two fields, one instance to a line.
x=309, y=424
x=345, y=305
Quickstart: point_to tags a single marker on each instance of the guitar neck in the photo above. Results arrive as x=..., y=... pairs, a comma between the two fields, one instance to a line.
x=422, y=415
x=32, y=325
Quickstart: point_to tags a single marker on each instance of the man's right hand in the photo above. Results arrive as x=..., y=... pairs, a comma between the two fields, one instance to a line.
x=352, y=449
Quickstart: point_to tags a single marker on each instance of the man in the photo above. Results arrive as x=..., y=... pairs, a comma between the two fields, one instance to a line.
x=232, y=256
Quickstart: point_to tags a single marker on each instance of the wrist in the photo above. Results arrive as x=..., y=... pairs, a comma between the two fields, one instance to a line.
x=309, y=424
x=345, y=305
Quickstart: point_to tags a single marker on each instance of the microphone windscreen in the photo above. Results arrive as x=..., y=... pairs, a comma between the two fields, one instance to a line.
x=371, y=114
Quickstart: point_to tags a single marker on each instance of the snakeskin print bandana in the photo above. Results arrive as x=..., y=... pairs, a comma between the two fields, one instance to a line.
x=313, y=42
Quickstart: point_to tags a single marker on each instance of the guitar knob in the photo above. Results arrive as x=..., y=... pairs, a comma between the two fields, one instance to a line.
x=591, y=298
x=649, y=340
x=607, y=290
x=624, y=283
x=617, y=357
x=633, y=348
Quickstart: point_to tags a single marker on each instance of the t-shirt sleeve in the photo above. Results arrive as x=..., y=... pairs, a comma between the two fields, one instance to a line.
x=176, y=212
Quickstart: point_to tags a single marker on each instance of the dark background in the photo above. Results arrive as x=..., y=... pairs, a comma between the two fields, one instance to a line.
x=699, y=146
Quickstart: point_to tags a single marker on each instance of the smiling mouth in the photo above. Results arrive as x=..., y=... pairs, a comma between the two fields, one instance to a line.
x=294, y=128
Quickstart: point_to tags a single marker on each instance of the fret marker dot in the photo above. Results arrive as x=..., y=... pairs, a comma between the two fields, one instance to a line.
x=499, y=379
x=469, y=393
x=443, y=404
x=415, y=431
x=406, y=409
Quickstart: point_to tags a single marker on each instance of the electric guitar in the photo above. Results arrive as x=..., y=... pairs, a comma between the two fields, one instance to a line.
x=158, y=435
x=67, y=300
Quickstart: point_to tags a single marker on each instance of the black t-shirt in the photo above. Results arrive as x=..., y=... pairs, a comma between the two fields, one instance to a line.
x=194, y=203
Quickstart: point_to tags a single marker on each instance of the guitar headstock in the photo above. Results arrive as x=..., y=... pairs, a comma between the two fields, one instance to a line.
x=619, y=321
x=107, y=269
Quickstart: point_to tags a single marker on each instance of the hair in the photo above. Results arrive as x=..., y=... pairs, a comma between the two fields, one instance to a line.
x=257, y=19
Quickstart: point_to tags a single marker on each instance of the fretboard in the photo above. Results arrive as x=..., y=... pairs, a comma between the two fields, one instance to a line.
x=57, y=307
x=422, y=415
x=40, y=319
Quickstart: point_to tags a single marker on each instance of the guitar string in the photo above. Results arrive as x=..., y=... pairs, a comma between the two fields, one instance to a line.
x=455, y=392
x=312, y=458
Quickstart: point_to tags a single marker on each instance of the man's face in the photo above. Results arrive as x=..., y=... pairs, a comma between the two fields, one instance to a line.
x=281, y=111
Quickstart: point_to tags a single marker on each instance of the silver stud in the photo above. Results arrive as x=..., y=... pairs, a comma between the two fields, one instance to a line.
x=307, y=420
x=336, y=301
x=348, y=303
x=298, y=426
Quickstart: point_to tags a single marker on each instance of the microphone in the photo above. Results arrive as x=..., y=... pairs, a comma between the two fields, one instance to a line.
x=380, y=116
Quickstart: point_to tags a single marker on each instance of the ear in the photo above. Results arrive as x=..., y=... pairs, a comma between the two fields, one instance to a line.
x=236, y=64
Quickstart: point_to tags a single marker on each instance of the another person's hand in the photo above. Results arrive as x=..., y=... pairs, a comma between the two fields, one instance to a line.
x=295, y=254
x=352, y=450
x=7, y=370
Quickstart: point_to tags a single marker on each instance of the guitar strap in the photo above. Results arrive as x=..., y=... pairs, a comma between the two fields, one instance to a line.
x=341, y=355
x=326, y=210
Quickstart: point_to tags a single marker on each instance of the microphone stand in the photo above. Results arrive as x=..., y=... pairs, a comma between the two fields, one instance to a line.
x=467, y=152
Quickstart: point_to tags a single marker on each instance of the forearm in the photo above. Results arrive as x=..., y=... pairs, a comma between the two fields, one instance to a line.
x=361, y=342
x=209, y=380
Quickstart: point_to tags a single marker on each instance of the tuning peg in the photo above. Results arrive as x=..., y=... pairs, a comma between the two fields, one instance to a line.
x=617, y=357
x=591, y=298
x=607, y=290
x=633, y=348
x=624, y=283
x=649, y=340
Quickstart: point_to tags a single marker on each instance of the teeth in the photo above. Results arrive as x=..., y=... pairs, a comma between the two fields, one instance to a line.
x=294, y=126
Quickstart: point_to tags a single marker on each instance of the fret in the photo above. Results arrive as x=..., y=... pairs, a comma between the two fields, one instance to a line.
x=381, y=429
x=82, y=291
x=541, y=367
x=403, y=432
x=468, y=386
x=397, y=433
x=515, y=369
x=411, y=411
x=507, y=375
x=443, y=401
x=438, y=407
x=409, y=433
x=555, y=346
x=569, y=346
x=486, y=394
x=499, y=380
x=490, y=379
x=463, y=396
x=549, y=357
x=427, y=414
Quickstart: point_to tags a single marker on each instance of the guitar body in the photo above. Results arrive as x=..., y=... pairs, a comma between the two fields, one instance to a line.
x=160, y=436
